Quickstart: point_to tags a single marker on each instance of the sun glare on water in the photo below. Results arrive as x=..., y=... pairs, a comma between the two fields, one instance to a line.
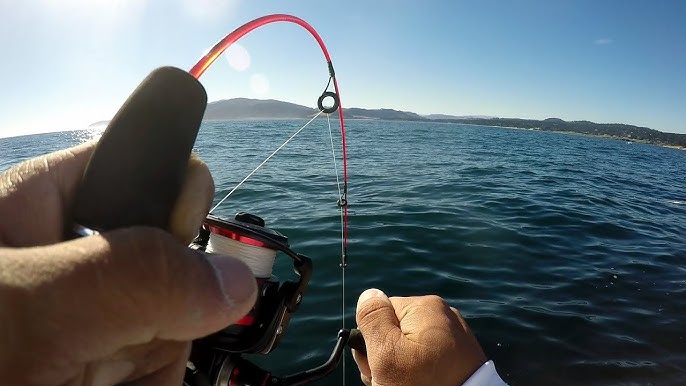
x=90, y=134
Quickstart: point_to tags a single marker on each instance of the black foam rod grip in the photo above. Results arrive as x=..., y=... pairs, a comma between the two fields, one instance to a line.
x=138, y=167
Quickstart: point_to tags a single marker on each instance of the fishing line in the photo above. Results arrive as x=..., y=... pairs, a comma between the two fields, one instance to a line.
x=264, y=162
x=260, y=260
x=343, y=263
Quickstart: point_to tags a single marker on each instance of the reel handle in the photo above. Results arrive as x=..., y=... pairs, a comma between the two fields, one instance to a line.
x=137, y=169
x=356, y=341
x=233, y=369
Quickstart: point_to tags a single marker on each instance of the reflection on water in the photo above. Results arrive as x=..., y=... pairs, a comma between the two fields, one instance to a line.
x=93, y=133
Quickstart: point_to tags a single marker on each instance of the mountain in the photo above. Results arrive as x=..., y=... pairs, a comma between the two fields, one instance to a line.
x=244, y=108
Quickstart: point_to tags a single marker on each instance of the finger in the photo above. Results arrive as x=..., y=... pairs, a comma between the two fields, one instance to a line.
x=98, y=294
x=374, y=309
x=54, y=178
x=377, y=320
x=362, y=363
x=194, y=201
x=40, y=188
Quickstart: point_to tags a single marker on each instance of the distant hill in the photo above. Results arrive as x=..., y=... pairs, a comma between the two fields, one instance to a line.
x=244, y=108
x=613, y=130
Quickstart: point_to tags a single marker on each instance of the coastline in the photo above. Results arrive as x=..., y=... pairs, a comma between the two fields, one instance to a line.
x=438, y=121
x=677, y=147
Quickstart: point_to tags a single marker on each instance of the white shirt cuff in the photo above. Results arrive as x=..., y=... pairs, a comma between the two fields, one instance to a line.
x=485, y=376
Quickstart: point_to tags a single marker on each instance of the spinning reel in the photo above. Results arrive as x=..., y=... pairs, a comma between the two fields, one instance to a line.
x=216, y=360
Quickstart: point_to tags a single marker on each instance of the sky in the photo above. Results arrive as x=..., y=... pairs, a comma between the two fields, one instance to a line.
x=66, y=64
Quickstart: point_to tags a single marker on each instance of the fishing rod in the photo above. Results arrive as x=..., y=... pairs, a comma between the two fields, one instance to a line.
x=158, y=125
x=246, y=236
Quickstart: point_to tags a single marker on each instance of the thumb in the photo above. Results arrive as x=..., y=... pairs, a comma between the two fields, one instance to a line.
x=98, y=294
x=377, y=320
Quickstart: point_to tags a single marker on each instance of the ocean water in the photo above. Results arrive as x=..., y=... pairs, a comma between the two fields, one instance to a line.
x=566, y=254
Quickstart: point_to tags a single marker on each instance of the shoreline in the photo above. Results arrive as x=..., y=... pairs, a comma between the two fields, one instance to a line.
x=631, y=140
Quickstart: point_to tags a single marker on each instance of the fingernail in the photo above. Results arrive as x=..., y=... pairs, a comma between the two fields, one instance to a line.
x=236, y=279
x=112, y=372
x=369, y=294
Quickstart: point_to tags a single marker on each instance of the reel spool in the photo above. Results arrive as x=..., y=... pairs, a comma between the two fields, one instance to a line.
x=258, y=256
x=247, y=239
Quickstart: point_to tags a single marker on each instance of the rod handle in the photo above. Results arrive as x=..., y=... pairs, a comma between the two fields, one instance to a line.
x=137, y=169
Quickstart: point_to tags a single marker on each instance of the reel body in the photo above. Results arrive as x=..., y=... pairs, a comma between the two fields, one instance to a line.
x=217, y=359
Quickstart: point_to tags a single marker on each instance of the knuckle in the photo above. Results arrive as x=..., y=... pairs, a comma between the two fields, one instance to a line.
x=433, y=301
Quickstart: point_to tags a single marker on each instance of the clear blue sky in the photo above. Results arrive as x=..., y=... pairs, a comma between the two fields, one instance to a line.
x=68, y=63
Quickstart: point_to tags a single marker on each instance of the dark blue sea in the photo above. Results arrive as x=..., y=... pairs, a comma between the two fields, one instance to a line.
x=566, y=254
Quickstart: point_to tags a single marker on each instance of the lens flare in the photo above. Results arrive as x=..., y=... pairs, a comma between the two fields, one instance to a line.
x=238, y=57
